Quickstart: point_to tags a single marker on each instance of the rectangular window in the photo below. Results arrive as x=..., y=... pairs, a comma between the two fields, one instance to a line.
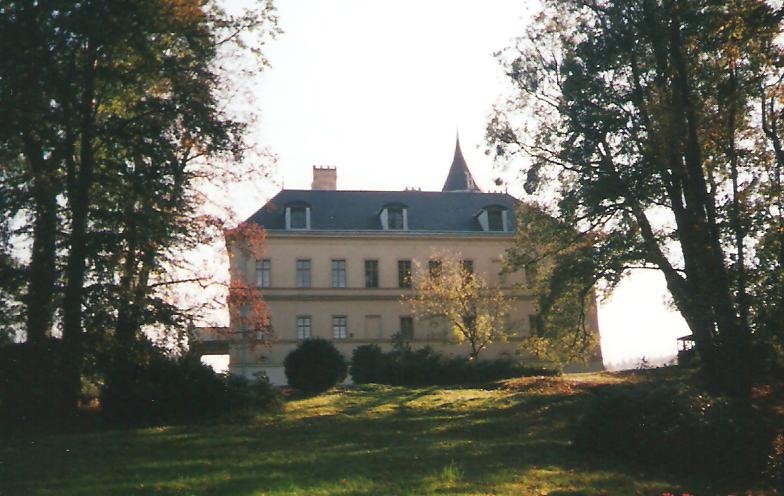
x=298, y=217
x=303, y=273
x=303, y=327
x=434, y=266
x=468, y=266
x=407, y=328
x=263, y=273
x=395, y=218
x=339, y=327
x=404, y=273
x=338, y=273
x=495, y=219
x=371, y=273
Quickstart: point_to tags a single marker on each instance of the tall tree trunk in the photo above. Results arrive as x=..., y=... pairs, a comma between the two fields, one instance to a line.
x=770, y=120
x=41, y=271
x=79, y=183
x=732, y=339
x=737, y=226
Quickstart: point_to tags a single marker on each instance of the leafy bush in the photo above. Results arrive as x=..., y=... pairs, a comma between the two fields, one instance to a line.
x=154, y=388
x=367, y=364
x=425, y=367
x=678, y=429
x=246, y=395
x=32, y=382
x=315, y=366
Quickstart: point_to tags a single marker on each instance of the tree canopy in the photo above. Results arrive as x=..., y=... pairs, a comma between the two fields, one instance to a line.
x=655, y=126
x=114, y=118
x=450, y=291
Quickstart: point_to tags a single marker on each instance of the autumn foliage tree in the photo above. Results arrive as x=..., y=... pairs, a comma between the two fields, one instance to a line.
x=450, y=292
x=246, y=243
x=114, y=124
x=653, y=128
x=560, y=276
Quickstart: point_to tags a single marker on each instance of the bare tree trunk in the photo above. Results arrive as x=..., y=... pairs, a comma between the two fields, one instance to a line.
x=41, y=271
x=79, y=183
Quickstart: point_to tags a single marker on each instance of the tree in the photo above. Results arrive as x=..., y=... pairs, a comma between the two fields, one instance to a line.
x=123, y=105
x=642, y=120
x=247, y=308
x=450, y=291
x=560, y=275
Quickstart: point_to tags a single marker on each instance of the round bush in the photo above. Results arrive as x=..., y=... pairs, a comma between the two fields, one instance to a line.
x=367, y=364
x=315, y=366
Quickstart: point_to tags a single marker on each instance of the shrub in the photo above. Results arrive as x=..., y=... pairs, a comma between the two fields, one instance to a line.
x=32, y=383
x=367, y=364
x=426, y=367
x=678, y=429
x=315, y=366
x=155, y=388
x=252, y=395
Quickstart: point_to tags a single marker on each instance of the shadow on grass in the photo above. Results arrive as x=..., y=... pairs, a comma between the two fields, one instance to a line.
x=358, y=441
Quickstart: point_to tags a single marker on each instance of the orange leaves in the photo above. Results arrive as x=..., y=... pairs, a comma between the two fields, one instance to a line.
x=247, y=237
x=185, y=11
x=247, y=308
x=249, y=312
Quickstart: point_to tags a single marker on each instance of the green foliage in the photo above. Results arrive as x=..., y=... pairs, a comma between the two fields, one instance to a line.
x=31, y=383
x=652, y=133
x=251, y=396
x=474, y=311
x=116, y=123
x=368, y=440
x=315, y=366
x=680, y=429
x=367, y=364
x=404, y=366
x=560, y=272
x=150, y=387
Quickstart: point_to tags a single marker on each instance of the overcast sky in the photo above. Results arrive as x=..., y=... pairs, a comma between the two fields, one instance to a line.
x=379, y=89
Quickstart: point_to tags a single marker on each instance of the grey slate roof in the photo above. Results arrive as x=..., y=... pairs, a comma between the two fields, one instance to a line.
x=428, y=211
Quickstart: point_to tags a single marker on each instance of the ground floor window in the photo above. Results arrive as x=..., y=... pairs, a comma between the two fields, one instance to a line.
x=339, y=327
x=407, y=328
x=303, y=327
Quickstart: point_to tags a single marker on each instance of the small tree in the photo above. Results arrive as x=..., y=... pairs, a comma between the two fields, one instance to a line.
x=315, y=366
x=451, y=291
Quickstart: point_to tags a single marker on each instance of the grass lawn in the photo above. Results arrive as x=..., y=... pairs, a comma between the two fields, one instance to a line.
x=370, y=440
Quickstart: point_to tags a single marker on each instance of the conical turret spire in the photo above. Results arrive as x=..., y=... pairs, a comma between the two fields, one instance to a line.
x=459, y=177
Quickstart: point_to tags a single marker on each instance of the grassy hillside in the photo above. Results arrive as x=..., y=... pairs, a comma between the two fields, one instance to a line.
x=514, y=439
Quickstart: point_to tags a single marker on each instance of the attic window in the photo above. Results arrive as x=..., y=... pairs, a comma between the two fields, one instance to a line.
x=298, y=216
x=493, y=218
x=394, y=217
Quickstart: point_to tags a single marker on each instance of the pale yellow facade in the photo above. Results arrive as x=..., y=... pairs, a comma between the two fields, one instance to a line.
x=334, y=233
x=372, y=314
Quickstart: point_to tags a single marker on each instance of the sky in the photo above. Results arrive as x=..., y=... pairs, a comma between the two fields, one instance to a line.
x=380, y=88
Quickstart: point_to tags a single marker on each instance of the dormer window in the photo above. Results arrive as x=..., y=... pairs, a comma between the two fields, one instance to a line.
x=298, y=216
x=493, y=218
x=394, y=217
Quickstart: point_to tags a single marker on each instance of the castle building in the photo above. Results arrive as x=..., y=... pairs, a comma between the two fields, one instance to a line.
x=337, y=262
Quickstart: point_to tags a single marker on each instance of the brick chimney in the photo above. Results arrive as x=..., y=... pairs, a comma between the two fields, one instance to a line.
x=324, y=178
